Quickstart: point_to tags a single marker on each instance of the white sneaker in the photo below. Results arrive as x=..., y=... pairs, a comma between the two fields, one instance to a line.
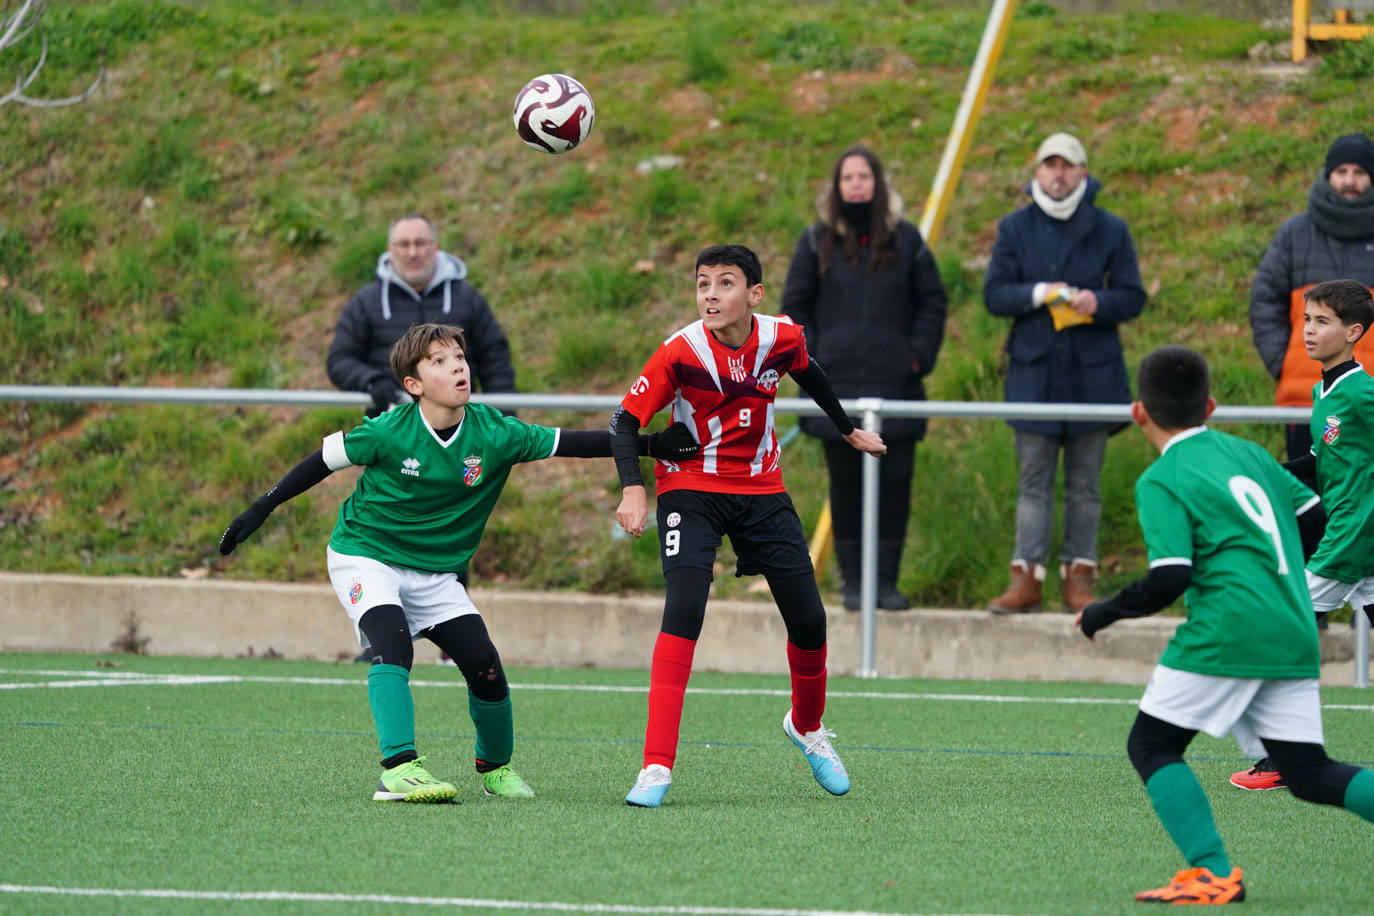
x=652, y=784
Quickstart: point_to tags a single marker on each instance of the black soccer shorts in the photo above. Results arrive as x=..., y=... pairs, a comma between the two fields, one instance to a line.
x=763, y=529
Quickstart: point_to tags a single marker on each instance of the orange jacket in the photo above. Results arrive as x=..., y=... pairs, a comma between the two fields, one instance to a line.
x=1300, y=372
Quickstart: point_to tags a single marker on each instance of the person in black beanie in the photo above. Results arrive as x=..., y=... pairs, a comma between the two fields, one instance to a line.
x=865, y=288
x=1333, y=239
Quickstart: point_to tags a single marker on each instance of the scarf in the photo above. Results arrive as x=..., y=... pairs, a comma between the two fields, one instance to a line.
x=859, y=215
x=1058, y=209
x=1338, y=217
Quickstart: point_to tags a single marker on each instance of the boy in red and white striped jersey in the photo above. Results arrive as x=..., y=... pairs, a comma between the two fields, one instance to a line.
x=720, y=375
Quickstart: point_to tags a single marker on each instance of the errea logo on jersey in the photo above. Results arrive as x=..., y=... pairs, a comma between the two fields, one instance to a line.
x=410, y=467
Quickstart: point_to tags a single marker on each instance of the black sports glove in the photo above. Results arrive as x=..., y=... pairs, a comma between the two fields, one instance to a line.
x=674, y=443
x=248, y=521
x=1096, y=616
x=386, y=393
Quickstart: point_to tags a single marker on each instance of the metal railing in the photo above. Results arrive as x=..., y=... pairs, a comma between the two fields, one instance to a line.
x=872, y=411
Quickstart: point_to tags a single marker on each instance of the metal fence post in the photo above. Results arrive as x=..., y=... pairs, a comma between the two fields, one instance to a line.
x=868, y=539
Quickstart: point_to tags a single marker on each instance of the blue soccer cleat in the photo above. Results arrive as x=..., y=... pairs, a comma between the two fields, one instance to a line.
x=653, y=783
x=825, y=763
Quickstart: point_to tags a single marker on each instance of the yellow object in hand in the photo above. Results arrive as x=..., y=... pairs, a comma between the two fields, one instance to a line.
x=1061, y=311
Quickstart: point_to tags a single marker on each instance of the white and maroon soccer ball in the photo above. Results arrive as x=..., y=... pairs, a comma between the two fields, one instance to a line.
x=554, y=113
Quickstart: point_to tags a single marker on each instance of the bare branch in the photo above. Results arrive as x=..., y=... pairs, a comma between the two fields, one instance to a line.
x=14, y=28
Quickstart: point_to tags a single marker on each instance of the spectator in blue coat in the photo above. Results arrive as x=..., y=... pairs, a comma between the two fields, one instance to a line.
x=1065, y=272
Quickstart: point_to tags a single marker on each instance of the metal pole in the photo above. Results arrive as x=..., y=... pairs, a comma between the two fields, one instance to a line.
x=868, y=540
x=1361, y=625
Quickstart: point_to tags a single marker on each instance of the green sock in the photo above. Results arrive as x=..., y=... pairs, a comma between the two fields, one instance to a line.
x=393, y=710
x=1359, y=795
x=1184, y=811
x=495, y=729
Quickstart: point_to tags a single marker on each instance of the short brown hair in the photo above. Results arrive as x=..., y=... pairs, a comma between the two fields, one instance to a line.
x=414, y=346
x=1351, y=301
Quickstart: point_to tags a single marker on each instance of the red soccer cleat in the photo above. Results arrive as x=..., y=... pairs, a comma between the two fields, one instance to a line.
x=1260, y=776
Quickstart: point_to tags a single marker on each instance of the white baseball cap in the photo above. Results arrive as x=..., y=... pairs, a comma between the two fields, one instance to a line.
x=1063, y=145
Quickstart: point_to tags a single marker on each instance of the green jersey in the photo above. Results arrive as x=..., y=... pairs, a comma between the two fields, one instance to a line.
x=422, y=502
x=1225, y=507
x=1343, y=441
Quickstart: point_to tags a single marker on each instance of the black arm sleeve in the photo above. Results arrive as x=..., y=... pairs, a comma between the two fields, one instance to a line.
x=1311, y=527
x=1303, y=467
x=625, y=440
x=816, y=384
x=590, y=443
x=310, y=471
x=1155, y=591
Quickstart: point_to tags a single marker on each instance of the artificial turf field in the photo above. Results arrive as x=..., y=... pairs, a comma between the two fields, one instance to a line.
x=168, y=785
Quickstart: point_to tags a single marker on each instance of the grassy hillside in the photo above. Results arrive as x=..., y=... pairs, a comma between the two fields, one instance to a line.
x=202, y=219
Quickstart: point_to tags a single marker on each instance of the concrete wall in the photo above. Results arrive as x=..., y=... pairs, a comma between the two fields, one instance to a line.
x=214, y=617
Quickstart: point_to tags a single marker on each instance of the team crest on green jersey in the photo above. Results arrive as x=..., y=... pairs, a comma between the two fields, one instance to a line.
x=1333, y=430
x=473, y=470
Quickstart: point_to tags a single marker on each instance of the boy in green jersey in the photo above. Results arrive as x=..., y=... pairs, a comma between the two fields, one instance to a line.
x=1225, y=523
x=432, y=472
x=1335, y=317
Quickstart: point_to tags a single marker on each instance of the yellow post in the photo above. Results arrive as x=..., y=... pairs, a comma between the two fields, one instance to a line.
x=822, y=540
x=1302, y=16
x=966, y=118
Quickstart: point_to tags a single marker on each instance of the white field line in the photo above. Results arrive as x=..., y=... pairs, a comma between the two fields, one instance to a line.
x=396, y=900
x=135, y=679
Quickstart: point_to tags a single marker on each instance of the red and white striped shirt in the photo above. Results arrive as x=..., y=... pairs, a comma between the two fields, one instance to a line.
x=725, y=396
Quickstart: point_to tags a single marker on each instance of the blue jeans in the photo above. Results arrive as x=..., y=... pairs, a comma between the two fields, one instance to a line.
x=1038, y=457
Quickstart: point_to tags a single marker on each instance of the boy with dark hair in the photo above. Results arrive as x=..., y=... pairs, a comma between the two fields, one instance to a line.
x=720, y=375
x=1336, y=315
x=433, y=469
x=1224, y=522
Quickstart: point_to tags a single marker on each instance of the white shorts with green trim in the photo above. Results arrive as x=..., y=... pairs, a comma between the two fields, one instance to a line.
x=1330, y=595
x=1247, y=708
x=362, y=583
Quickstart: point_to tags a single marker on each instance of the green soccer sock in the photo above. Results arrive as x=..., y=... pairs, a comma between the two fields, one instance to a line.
x=1184, y=811
x=495, y=729
x=1359, y=795
x=393, y=710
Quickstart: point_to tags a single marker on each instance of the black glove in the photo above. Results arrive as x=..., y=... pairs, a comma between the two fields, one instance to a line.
x=386, y=393
x=239, y=529
x=1096, y=616
x=674, y=443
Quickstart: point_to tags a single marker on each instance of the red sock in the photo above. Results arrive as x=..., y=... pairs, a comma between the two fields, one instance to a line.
x=808, y=686
x=672, y=666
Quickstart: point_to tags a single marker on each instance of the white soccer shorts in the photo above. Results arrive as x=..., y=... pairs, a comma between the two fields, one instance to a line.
x=1330, y=595
x=362, y=583
x=1245, y=707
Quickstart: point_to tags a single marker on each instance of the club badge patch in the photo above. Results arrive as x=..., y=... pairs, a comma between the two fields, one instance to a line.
x=472, y=470
x=673, y=520
x=1332, y=431
x=355, y=591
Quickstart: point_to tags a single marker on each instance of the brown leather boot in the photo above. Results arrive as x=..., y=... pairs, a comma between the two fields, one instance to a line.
x=1023, y=594
x=1077, y=579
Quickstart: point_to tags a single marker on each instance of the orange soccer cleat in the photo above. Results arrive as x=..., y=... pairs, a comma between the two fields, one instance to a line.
x=1197, y=885
x=1262, y=775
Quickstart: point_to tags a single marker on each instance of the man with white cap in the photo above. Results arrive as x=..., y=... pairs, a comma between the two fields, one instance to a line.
x=1066, y=273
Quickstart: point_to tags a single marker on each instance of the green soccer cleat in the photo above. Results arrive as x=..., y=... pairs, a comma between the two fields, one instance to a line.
x=504, y=782
x=410, y=782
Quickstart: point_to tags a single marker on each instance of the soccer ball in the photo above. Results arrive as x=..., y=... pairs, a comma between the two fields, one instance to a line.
x=554, y=113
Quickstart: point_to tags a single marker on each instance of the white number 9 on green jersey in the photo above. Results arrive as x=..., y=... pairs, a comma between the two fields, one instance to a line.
x=1254, y=502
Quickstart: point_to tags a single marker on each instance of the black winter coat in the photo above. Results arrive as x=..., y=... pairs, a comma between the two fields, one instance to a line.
x=1082, y=364
x=875, y=333
x=361, y=350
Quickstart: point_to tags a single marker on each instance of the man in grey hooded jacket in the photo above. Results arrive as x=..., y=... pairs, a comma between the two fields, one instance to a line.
x=416, y=283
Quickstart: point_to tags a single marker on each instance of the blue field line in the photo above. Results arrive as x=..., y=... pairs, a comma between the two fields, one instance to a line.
x=635, y=741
